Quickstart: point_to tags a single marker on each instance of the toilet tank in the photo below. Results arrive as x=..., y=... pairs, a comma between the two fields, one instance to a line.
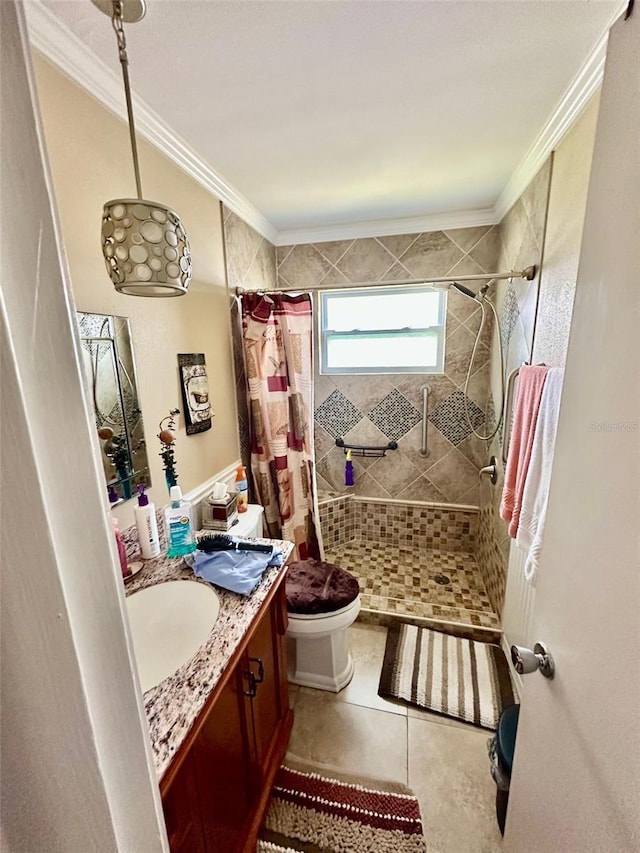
x=249, y=522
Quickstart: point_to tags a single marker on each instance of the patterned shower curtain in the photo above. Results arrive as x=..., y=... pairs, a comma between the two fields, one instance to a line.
x=277, y=335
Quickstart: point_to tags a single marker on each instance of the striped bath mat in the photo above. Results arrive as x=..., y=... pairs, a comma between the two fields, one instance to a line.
x=459, y=678
x=329, y=812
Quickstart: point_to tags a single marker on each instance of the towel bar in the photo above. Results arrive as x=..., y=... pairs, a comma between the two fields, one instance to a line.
x=508, y=411
x=508, y=407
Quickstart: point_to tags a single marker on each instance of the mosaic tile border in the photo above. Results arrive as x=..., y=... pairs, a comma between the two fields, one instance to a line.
x=420, y=525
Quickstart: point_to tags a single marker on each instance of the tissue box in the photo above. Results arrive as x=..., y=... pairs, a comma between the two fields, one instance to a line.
x=220, y=514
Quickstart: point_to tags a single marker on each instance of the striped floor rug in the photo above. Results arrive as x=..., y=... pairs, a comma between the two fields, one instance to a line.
x=328, y=812
x=438, y=672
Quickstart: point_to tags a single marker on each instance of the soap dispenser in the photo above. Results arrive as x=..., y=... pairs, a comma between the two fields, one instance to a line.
x=147, y=525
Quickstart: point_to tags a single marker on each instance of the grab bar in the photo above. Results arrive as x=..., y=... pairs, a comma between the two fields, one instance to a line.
x=424, y=450
x=508, y=412
x=368, y=450
x=508, y=408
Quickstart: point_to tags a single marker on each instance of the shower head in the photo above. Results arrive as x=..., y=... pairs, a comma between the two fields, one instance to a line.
x=464, y=290
x=447, y=285
x=461, y=288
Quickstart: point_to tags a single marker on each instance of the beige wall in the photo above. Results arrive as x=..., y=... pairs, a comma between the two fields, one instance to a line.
x=90, y=160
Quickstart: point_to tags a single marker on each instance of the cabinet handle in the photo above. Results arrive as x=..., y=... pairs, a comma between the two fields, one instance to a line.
x=253, y=687
x=259, y=678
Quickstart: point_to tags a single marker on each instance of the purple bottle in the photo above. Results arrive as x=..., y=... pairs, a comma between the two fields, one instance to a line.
x=348, y=471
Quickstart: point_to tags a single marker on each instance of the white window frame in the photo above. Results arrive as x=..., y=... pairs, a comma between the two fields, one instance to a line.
x=325, y=334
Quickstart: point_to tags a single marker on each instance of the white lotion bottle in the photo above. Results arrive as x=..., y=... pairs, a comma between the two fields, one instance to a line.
x=147, y=525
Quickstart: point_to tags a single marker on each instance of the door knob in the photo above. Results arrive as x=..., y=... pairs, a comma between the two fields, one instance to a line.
x=526, y=661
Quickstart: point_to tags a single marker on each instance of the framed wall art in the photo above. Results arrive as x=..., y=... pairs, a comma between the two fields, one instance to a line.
x=195, y=392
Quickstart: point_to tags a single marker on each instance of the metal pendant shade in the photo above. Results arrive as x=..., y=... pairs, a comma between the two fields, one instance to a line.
x=145, y=247
x=144, y=243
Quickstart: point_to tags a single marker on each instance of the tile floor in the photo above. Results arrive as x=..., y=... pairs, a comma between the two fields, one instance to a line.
x=445, y=762
x=402, y=580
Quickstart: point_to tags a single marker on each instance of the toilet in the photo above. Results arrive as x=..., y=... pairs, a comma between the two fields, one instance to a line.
x=323, y=600
x=249, y=523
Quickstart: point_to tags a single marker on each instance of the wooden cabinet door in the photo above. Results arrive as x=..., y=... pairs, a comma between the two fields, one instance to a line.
x=182, y=812
x=216, y=800
x=267, y=657
x=222, y=759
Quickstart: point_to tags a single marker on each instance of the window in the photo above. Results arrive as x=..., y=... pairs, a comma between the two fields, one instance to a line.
x=382, y=330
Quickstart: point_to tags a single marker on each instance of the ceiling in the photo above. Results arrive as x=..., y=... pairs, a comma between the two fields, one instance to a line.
x=331, y=115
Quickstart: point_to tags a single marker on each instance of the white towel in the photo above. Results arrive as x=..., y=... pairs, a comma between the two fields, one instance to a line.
x=536, y=487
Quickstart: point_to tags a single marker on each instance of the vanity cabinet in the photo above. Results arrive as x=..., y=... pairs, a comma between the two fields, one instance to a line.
x=181, y=814
x=216, y=790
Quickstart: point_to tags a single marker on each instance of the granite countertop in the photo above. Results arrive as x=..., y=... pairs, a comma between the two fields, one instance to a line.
x=173, y=705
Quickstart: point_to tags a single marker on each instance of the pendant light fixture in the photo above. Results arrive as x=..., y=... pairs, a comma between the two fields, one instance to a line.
x=144, y=243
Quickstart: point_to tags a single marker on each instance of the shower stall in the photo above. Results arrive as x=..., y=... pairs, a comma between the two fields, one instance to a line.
x=420, y=527
x=417, y=558
x=412, y=559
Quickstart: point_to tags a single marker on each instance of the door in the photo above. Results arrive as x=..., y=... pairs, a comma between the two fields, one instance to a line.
x=77, y=769
x=576, y=778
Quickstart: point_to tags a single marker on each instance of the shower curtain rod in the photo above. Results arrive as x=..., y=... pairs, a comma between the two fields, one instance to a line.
x=528, y=273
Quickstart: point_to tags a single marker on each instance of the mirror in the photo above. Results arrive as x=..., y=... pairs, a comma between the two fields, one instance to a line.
x=109, y=369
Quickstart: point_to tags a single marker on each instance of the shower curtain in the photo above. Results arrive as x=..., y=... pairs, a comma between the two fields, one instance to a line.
x=277, y=335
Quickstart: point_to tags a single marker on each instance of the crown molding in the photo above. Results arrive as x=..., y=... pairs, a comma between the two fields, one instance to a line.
x=573, y=101
x=58, y=44
x=387, y=227
x=65, y=50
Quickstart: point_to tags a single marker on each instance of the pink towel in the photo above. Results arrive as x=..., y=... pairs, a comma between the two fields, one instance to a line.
x=525, y=415
x=536, y=490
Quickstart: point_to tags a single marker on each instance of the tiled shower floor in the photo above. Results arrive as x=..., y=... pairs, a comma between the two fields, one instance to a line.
x=401, y=581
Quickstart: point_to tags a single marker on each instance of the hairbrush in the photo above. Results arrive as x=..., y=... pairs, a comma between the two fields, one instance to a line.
x=209, y=543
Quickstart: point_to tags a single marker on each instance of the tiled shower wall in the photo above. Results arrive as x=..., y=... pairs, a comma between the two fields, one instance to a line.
x=545, y=223
x=251, y=263
x=376, y=409
x=522, y=233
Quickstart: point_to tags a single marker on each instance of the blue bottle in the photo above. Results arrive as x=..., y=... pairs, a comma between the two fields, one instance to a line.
x=178, y=525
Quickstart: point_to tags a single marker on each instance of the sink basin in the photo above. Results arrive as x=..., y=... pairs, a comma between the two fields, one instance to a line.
x=169, y=622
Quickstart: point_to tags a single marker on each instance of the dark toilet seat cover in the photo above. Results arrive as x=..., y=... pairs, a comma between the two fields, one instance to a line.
x=314, y=586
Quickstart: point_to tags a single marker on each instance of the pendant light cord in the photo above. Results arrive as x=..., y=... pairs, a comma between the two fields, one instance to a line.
x=118, y=26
